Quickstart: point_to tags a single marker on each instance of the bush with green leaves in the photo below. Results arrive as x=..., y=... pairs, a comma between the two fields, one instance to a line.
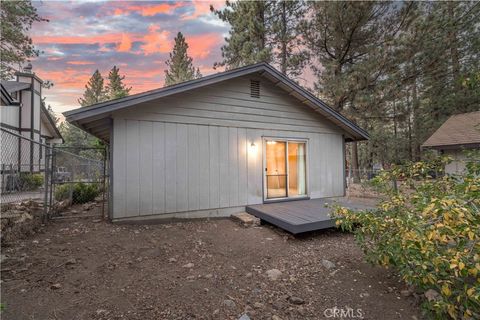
x=428, y=230
x=31, y=181
x=80, y=192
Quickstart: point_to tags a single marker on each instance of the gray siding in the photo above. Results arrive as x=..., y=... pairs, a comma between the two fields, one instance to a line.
x=192, y=152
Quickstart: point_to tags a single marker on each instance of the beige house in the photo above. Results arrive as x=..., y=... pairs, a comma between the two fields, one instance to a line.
x=461, y=132
x=212, y=146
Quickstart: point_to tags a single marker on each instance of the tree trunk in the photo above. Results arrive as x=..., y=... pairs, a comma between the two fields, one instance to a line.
x=395, y=136
x=355, y=169
x=284, y=38
x=416, y=122
x=409, y=124
x=453, y=42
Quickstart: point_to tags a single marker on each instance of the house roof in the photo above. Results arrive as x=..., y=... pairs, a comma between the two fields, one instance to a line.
x=96, y=119
x=5, y=96
x=460, y=130
x=14, y=86
x=45, y=115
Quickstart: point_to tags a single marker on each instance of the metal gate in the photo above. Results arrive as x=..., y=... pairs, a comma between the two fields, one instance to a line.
x=78, y=177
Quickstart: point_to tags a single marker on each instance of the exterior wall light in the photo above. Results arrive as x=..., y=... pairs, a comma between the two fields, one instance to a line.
x=253, y=147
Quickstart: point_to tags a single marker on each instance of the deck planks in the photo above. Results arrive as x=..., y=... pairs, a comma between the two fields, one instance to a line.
x=301, y=215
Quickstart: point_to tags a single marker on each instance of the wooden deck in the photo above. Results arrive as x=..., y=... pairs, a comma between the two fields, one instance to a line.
x=301, y=215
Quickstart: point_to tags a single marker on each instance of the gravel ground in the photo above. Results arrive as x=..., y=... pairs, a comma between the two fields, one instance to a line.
x=216, y=269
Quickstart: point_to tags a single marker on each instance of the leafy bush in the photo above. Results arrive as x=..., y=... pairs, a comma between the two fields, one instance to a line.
x=429, y=232
x=81, y=192
x=30, y=181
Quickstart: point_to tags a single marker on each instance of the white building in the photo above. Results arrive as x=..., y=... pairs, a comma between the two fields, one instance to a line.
x=22, y=113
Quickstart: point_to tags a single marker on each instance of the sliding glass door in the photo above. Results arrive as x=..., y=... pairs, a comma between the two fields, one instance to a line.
x=285, y=168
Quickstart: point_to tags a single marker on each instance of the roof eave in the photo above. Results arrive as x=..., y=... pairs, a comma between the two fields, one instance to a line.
x=106, y=108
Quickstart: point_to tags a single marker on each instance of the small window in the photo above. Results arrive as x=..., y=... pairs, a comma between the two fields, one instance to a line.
x=254, y=88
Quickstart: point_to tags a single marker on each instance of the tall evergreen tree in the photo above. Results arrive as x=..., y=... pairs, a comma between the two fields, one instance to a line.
x=263, y=31
x=115, y=87
x=180, y=65
x=247, y=41
x=94, y=91
x=288, y=53
x=16, y=46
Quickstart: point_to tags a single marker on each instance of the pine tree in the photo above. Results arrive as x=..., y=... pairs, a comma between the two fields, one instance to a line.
x=115, y=87
x=16, y=46
x=288, y=55
x=180, y=65
x=94, y=91
x=247, y=41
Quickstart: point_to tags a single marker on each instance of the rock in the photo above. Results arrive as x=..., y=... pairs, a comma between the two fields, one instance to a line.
x=328, y=264
x=55, y=286
x=296, y=300
x=258, y=305
x=275, y=317
x=188, y=265
x=269, y=239
x=273, y=274
x=249, y=275
x=431, y=295
x=229, y=303
x=191, y=278
x=244, y=317
x=257, y=291
x=172, y=260
x=70, y=261
x=208, y=276
x=364, y=295
x=245, y=219
x=406, y=293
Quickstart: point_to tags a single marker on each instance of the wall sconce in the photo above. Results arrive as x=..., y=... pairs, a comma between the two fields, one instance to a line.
x=253, y=147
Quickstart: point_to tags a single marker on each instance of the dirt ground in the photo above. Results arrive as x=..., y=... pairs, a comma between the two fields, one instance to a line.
x=205, y=269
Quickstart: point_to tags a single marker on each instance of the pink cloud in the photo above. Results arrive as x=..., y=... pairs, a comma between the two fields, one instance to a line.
x=148, y=10
x=156, y=41
x=200, y=8
x=81, y=63
x=125, y=43
x=200, y=46
x=102, y=38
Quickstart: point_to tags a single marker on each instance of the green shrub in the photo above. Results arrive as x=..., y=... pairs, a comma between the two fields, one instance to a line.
x=428, y=230
x=31, y=181
x=81, y=192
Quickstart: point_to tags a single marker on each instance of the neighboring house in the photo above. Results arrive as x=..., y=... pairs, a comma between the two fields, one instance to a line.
x=211, y=146
x=461, y=132
x=23, y=113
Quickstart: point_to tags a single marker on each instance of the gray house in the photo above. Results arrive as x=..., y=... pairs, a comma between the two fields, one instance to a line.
x=211, y=146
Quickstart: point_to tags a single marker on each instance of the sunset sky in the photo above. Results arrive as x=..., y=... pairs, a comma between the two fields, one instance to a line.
x=135, y=36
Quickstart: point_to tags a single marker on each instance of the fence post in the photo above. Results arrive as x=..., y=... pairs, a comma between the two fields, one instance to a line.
x=104, y=181
x=52, y=166
x=47, y=184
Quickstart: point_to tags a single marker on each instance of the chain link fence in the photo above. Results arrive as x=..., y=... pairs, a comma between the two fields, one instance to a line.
x=78, y=178
x=39, y=181
x=23, y=163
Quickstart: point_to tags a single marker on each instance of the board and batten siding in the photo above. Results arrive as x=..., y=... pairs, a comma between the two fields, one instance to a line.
x=192, y=152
